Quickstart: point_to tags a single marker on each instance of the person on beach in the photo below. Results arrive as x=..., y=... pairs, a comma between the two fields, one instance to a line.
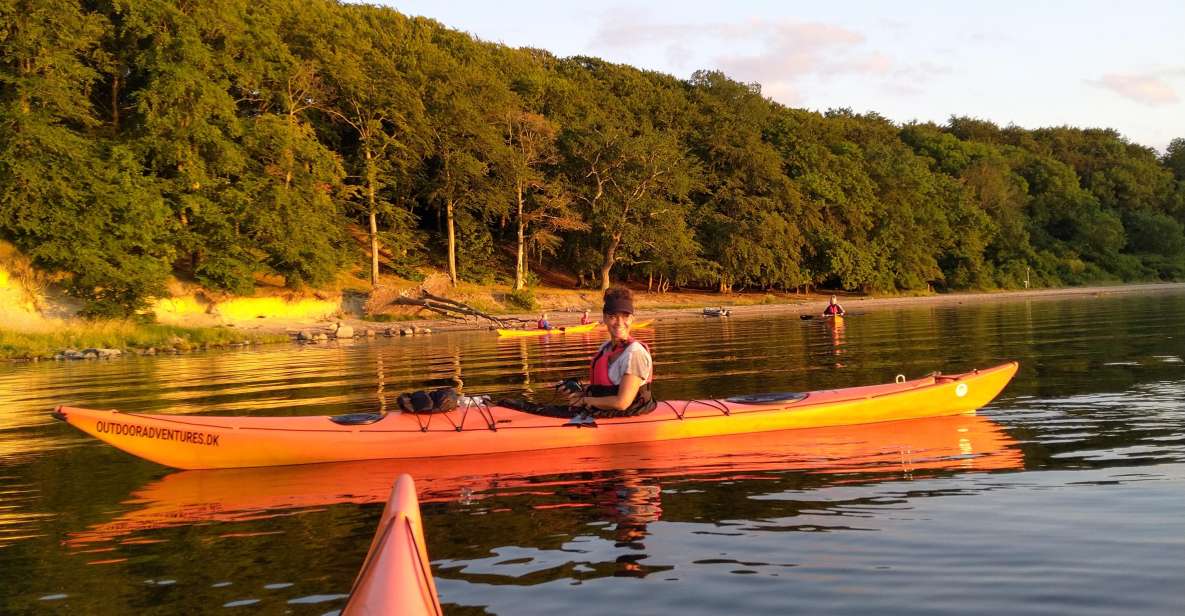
x=833, y=309
x=584, y=320
x=543, y=323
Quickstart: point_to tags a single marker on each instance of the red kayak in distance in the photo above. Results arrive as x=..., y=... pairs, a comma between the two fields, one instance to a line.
x=396, y=578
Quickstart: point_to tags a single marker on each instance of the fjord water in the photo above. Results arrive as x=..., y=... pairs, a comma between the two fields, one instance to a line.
x=1066, y=495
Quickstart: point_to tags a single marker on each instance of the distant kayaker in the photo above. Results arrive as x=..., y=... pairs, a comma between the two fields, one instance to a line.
x=622, y=369
x=833, y=309
x=543, y=322
x=584, y=320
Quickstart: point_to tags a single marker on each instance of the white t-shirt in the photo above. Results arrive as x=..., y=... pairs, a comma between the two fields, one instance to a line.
x=635, y=360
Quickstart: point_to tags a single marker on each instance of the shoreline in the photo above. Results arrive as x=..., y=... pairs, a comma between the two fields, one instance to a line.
x=650, y=306
x=810, y=304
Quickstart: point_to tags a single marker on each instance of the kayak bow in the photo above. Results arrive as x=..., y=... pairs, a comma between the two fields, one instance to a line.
x=396, y=577
x=193, y=442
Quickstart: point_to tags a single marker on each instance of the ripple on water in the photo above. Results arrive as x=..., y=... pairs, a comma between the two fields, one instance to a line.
x=1075, y=509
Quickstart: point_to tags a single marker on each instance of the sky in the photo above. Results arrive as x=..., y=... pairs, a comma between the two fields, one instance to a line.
x=1088, y=64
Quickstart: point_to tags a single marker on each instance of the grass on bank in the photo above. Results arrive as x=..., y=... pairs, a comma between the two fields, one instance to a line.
x=123, y=335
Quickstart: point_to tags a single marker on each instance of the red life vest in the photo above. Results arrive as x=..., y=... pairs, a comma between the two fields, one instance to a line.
x=602, y=386
x=599, y=370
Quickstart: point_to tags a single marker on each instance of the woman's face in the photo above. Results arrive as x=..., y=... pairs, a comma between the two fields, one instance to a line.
x=618, y=324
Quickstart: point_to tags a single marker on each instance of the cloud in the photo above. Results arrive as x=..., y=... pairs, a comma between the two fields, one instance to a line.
x=763, y=48
x=785, y=50
x=1147, y=89
x=781, y=54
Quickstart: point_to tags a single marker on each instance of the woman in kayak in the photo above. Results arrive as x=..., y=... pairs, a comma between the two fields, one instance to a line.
x=833, y=309
x=622, y=368
x=543, y=323
x=621, y=372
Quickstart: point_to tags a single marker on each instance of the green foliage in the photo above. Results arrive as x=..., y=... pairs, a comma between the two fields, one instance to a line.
x=477, y=261
x=220, y=141
x=523, y=299
x=1174, y=158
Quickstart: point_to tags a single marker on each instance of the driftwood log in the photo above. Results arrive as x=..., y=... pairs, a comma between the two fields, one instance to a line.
x=452, y=309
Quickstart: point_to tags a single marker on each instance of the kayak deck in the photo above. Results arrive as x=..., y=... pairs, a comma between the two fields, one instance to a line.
x=396, y=577
x=193, y=442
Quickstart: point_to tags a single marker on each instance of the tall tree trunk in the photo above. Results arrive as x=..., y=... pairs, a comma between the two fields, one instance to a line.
x=520, y=267
x=115, y=104
x=374, y=225
x=289, y=155
x=452, y=243
x=610, y=258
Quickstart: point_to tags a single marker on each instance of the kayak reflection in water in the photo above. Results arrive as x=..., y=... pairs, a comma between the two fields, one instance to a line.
x=620, y=373
x=631, y=502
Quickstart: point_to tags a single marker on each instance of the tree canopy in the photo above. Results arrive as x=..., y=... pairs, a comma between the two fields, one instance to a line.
x=222, y=141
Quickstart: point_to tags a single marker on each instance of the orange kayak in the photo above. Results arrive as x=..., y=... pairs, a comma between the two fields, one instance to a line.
x=195, y=442
x=396, y=577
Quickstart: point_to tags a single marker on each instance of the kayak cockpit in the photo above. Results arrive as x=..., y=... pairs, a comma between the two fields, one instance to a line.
x=782, y=397
x=357, y=419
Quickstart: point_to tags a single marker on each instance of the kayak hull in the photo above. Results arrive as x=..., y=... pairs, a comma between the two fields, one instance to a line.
x=396, y=577
x=197, y=442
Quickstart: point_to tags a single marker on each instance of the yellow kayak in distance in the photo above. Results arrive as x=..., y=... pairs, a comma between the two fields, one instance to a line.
x=571, y=329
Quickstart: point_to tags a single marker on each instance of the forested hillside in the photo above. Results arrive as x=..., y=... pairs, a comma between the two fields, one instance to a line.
x=221, y=140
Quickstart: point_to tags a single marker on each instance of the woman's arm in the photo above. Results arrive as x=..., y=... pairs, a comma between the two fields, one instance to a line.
x=626, y=392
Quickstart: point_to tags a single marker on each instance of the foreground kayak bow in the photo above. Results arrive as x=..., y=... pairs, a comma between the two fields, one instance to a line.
x=396, y=577
x=195, y=442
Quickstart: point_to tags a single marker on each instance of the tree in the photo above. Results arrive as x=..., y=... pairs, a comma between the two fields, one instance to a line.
x=622, y=154
x=743, y=189
x=74, y=202
x=530, y=138
x=464, y=103
x=1174, y=158
x=376, y=87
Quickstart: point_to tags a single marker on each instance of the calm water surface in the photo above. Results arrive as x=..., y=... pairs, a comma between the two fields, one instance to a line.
x=1066, y=495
